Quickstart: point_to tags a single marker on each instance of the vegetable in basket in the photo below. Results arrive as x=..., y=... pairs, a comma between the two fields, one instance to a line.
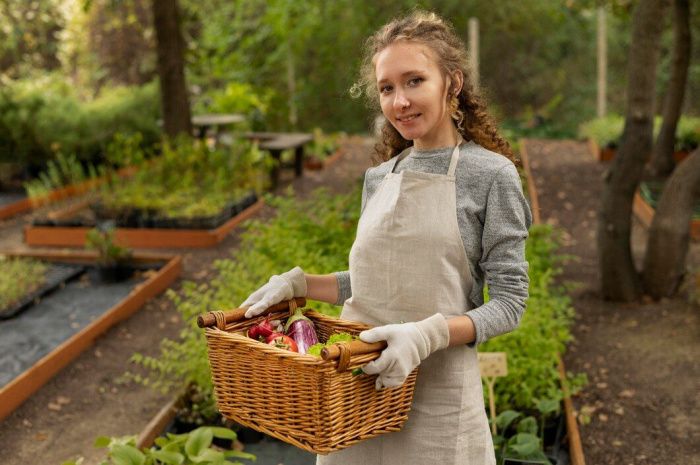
x=282, y=341
x=302, y=330
x=262, y=330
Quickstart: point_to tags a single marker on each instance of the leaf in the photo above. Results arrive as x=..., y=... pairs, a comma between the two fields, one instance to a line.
x=223, y=433
x=524, y=444
x=198, y=441
x=504, y=419
x=528, y=425
x=168, y=457
x=208, y=455
x=102, y=441
x=127, y=455
x=547, y=406
x=240, y=455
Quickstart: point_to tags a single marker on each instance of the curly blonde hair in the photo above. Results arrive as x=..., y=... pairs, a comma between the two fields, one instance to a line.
x=471, y=118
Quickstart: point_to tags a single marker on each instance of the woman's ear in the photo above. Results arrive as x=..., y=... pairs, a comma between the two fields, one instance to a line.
x=458, y=80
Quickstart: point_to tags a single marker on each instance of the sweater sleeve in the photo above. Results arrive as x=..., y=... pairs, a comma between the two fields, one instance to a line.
x=506, y=225
x=343, y=277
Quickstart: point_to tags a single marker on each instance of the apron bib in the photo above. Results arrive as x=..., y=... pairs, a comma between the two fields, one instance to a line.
x=408, y=262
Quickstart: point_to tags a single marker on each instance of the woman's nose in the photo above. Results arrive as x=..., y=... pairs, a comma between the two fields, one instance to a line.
x=400, y=101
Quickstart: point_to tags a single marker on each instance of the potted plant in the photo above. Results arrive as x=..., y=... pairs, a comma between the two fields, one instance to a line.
x=113, y=261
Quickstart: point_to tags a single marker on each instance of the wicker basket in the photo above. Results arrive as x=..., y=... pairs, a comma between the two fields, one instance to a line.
x=314, y=403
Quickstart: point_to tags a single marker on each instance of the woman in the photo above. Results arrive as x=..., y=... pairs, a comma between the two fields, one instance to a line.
x=441, y=214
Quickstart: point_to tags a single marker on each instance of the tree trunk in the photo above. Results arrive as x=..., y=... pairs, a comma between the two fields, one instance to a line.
x=171, y=68
x=669, y=235
x=619, y=279
x=662, y=162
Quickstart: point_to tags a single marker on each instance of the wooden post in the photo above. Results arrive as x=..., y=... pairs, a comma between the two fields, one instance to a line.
x=474, y=50
x=602, y=62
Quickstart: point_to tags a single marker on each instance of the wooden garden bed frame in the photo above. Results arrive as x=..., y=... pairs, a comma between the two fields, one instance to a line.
x=645, y=214
x=23, y=386
x=148, y=238
x=575, y=445
x=606, y=154
x=55, y=195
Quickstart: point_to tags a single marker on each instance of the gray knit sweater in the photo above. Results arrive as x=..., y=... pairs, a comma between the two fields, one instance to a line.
x=493, y=218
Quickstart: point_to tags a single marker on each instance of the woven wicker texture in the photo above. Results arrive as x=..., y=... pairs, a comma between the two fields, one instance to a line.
x=302, y=399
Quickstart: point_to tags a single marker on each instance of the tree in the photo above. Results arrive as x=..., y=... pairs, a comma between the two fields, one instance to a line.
x=662, y=162
x=669, y=234
x=171, y=68
x=619, y=278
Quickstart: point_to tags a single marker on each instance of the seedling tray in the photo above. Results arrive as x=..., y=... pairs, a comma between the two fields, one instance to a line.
x=56, y=277
x=45, y=337
x=74, y=236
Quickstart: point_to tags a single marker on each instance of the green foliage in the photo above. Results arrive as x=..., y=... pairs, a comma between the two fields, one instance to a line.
x=533, y=349
x=188, y=179
x=604, y=131
x=520, y=437
x=324, y=144
x=64, y=170
x=102, y=241
x=19, y=277
x=193, y=447
x=607, y=131
x=315, y=234
x=43, y=116
x=238, y=98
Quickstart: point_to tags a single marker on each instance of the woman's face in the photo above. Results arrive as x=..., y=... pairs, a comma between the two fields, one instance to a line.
x=413, y=94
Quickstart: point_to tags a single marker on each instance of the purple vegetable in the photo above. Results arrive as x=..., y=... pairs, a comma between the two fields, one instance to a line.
x=302, y=330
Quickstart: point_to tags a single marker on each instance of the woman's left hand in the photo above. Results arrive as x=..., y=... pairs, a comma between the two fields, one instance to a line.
x=407, y=345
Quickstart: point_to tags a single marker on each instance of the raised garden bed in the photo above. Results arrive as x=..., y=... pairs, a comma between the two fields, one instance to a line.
x=24, y=204
x=46, y=336
x=644, y=205
x=607, y=153
x=69, y=232
x=573, y=436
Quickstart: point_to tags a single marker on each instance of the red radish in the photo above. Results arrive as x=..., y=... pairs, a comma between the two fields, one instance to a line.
x=262, y=330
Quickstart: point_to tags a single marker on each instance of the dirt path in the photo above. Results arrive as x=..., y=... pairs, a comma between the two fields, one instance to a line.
x=642, y=359
x=98, y=403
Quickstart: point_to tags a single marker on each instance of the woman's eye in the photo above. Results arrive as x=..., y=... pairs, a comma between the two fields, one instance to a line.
x=385, y=89
x=414, y=82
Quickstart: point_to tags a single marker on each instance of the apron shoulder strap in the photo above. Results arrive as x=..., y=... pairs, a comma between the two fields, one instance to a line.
x=453, y=160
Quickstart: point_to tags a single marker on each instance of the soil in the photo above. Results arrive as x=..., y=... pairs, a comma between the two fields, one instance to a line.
x=642, y=359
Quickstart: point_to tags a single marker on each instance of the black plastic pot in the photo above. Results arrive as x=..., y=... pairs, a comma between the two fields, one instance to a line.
x=115, y=273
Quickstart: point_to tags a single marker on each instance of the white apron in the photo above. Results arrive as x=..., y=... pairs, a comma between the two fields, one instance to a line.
x=408, y=262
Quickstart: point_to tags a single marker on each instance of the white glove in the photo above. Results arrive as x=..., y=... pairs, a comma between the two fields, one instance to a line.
x=280, y=287
x=407, y=345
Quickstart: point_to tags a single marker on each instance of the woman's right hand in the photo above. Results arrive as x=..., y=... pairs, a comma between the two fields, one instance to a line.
x=281, y=287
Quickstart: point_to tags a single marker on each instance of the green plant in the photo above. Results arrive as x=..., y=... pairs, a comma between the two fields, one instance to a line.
x=317, y=233
x=102, y=241
x=525, y=444
x=64, y=170
x=193, y=447
x=19, y=277
x=323, y=144
x=533, y=349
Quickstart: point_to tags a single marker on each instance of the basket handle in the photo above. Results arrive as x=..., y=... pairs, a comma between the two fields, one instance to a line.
x=343, y=351
x=207, y=320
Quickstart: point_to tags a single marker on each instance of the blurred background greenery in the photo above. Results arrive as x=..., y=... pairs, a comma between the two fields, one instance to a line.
x=73, y=72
